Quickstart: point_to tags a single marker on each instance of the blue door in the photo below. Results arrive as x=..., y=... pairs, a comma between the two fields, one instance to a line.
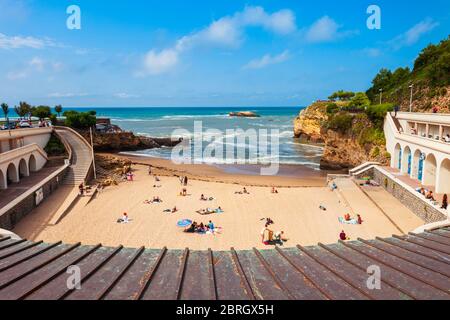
x=400, y=160
x=421, y=160
x=409, y=163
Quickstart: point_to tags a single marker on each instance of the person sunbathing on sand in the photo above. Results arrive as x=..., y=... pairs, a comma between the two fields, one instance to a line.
x=124, y=218
x=274, y=190
x=219, y=210
x=279, y=238
x=206, y=211
x=174, y=210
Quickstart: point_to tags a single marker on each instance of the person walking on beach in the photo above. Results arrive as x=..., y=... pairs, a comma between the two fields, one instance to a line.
x=445, y=202
x=81, y=188
x=185, y=181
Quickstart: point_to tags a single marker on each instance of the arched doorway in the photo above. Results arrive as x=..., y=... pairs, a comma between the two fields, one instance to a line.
x=397, y=157
x=32, y=164
x=12, y=173
x=407, y=161
x=418, y=162
x=23, y=169
x=443, y=184
x=3, y=183
x=429, y=176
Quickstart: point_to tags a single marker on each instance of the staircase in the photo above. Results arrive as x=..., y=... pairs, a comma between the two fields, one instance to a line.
x=81, y=157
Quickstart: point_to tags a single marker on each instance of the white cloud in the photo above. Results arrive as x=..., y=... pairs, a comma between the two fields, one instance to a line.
x=16, y=42
x=160, y=62
x=123, y=95
x=17, y=75
x=326, y=30
x=66, y=95
x=414, y=34
x=37, y=63
x=268, y=60
x=225, y=32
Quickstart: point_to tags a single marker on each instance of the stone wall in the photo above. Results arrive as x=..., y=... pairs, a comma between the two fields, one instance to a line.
x=12, y=217
x=419, y=207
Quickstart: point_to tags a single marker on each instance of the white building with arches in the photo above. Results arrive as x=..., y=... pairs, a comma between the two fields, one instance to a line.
x=22, y=153
x=418, y=147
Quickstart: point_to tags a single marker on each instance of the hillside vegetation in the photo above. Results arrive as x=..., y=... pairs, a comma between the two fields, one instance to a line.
x=430, y=78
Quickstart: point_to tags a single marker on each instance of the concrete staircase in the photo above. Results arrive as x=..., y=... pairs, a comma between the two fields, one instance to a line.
x=81, y=158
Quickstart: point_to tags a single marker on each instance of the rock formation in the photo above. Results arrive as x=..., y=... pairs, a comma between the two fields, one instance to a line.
x=244, y=114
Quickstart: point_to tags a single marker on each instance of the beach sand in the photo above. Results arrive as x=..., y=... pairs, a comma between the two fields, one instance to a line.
x=294, y=210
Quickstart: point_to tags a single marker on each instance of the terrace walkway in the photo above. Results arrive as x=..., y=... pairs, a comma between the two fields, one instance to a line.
x=412, y=267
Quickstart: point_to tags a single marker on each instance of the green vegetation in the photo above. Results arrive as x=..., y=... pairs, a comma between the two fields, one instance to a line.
x=431, y=70
x=58, y=109
x=340, y=122
x=377, y=113
x=41, y=112
x=55, y=147
x=5, y=109
x=23, y=109
x=342, y=95
x=80, y=120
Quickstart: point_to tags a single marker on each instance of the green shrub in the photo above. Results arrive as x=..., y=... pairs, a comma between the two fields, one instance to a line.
x=79, y=120
x=341, y=122
x=332, y=108
x=372, y=136
x=55, y=147
x=377, y=113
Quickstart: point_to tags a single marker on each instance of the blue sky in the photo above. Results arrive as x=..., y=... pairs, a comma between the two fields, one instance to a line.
x=205, y=53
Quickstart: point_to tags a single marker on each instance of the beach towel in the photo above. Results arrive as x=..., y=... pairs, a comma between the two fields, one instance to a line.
x=352, y=221
x=184, y=223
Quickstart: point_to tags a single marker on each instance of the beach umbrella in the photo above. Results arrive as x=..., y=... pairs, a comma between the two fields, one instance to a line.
x=184, y=223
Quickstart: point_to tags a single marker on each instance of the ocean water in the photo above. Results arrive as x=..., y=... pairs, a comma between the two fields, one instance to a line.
x=162, y=122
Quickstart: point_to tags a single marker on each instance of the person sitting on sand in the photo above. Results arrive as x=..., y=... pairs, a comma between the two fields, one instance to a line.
x=184, y=192
x=156, y=200
x=192, y=228
x=430, y=196
x=245, y=191
x=422, y=191
x=267, y=236
x=279, y=238
x=347, y=217
x=201, y=228
x=174, y=210
x=157, y=179
x=203, y=198
x=149, y=170
x=343, y=236
x=360, y=221
x=323, y=208
x=274, y=190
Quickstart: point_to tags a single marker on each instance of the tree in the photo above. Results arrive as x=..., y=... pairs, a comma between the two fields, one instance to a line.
x=23, y=109
x=360, y=100
x=58, y=110
x=5, y=109
x=341, y=95
x=79, y=120
x=41, y=112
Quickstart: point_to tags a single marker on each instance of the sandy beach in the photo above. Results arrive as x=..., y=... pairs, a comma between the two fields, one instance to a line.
x=295, y=210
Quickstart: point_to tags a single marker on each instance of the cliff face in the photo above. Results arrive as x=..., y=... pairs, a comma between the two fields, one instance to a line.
x=308, y=125
x=342, y=150
x=425, y=99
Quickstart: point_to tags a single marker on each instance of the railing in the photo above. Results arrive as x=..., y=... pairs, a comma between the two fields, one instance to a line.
x=20, y=152
x=20, y=133
x=418, y=140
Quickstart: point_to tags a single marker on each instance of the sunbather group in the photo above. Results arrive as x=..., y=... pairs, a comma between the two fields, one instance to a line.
x=201, y=228
x=348, y=219
x=268, y=237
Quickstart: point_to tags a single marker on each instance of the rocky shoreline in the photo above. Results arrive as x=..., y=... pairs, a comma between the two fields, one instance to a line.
x=127, y=141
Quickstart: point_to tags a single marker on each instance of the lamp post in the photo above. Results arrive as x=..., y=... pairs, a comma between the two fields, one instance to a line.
x=381, y=96
x=411, y=97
